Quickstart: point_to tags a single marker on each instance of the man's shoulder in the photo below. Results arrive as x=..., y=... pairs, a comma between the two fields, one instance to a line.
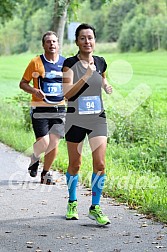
x=61, y=58
x=37, y=58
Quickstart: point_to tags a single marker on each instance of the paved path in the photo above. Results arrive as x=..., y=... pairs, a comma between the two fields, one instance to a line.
x=32, y=217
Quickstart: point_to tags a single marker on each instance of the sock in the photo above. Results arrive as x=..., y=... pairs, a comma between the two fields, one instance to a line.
x=97, y=187
x=34, y=159
x=72, y=182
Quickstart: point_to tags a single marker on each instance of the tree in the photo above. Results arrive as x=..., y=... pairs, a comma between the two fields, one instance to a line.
x=59, y=17
x=116, y=16
x=60, y=9
x=56, y=10
x=7, y=9
x=27, y=9
x=96, y=4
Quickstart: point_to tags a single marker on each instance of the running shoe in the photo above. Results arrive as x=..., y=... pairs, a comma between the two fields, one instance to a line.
x=72, y=212
x=47, y=178
x=33, y=168
x=95, y=213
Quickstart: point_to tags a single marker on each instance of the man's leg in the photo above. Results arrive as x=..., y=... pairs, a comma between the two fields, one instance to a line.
x=39, y=147
x=51, y=151
x=50, y=155
x=40, y=127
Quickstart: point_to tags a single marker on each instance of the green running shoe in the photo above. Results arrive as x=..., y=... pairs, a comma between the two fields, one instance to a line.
x=72, y=212
x=97, y=215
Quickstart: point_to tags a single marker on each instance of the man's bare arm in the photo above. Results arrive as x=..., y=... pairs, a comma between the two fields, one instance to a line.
x=25, y=85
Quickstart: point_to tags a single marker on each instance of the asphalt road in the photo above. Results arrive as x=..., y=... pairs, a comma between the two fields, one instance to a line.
x=32, y=217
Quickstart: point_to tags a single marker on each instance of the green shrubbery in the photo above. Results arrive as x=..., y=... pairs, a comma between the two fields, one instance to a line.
x=22, y=102
x=143, y=33
x=142, y=138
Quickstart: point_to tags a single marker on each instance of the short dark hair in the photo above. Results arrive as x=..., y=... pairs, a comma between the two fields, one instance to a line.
x=84, y=26
x=48, y=33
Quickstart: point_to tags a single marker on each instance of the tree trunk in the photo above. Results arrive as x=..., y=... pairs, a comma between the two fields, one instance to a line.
x=59, y=19
x=158, y=40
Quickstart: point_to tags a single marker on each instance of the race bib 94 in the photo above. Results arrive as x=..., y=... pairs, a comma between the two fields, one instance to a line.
x=89, y=105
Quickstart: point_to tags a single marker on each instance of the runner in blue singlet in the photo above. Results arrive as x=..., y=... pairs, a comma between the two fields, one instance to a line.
x=47, y=105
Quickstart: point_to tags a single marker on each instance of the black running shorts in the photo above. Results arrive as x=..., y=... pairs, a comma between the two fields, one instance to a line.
x=48, y=120
x=76, y=134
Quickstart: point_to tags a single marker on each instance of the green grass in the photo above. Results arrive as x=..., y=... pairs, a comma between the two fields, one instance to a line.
x=148, y=68
x=12, y=130
x=136, y=158
x=12, y=69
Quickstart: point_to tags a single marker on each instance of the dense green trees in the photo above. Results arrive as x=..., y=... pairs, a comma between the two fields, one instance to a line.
x=116, y=16
x=8, y=8
x=134, y=24
x=146, y=29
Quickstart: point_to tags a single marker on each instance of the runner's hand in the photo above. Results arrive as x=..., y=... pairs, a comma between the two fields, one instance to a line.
x=90, y=69
x=39, y=94
x=108, y=89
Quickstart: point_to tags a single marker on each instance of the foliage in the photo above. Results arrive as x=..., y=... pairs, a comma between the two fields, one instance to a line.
x=22, y=100
x=36, y=27
x=96, y=4
x=143, y=33
x=99, y=23
x=8, y=8
x=141, y=135
x=13, y=30
x=13, y=132
x=164, y=37
x=135, y=24
x=131, y=34
x=116, y=16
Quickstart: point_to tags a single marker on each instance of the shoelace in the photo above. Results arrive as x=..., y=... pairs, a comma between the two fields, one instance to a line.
x=48, y=175
x=99, y=212
x=73, y=208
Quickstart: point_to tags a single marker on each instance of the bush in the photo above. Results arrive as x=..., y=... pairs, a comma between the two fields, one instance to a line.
x=139, y=138
x=23, y=100
x=19, y=48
